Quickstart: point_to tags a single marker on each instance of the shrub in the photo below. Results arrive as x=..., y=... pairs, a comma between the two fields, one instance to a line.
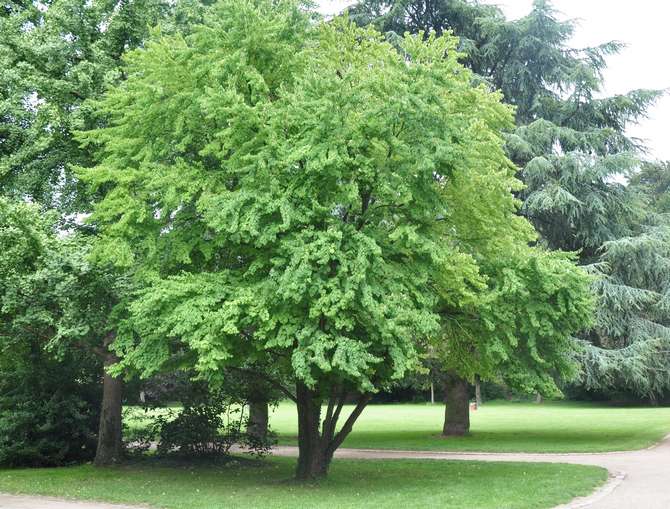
x=48, y=411
x=210, y=423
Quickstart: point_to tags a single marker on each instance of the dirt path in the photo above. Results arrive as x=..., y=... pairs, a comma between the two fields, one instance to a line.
x=29, y=502
x=638, y=479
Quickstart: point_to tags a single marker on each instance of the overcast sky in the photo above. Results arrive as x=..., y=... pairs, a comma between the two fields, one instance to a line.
x=643, y=63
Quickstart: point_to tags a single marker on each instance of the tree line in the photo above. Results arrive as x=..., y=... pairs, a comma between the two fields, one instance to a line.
x=318, y=209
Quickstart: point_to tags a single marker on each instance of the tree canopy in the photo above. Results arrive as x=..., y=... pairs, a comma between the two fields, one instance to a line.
x=295, y=191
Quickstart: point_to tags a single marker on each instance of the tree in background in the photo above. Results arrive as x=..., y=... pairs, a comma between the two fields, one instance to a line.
x=67, y=309
x=53, y=56
x=49, y=397
x=520, y=332
x=575, y=157
x=632, y=348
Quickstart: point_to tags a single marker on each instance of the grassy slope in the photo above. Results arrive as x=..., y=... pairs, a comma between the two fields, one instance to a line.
x=501, y=427
x=352, y=484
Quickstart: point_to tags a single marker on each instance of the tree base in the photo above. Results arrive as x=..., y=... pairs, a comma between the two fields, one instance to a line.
x=457, y=406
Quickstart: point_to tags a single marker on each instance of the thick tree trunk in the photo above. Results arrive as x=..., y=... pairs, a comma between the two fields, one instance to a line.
x=110, y=444
x=457, y=407
x=538, y=398
x=478, y=391
x=258, y=419
x=316, y=446
x=312, y=460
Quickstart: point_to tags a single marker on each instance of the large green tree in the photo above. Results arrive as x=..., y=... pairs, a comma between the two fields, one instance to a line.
x=286, y=192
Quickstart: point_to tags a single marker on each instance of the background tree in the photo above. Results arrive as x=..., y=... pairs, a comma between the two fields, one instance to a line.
x=49, y=397
x=520, y=331
x=573, y=151
x=53, y=57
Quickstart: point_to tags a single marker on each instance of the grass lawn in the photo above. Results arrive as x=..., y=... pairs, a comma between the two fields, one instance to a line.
x=352, y=484
x=500, y=427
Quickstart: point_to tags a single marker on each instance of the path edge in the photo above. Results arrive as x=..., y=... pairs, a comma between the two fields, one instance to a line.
x=614, y=481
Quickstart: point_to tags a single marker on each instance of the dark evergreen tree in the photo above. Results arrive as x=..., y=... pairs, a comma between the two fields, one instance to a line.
x=575, y=158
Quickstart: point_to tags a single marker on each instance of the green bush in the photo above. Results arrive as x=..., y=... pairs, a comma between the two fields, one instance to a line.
x=49, y=410
x=209, y=423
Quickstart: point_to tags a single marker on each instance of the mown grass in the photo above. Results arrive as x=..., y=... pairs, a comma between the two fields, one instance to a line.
x=352, y=484
x=500, y=427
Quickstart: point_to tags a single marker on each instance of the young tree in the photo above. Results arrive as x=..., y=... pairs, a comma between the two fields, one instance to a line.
x=284, y=192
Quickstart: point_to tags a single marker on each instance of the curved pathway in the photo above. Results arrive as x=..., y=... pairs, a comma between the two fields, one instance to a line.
x=638, y=479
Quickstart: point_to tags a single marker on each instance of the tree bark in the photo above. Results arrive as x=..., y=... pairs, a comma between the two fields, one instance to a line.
x=478, y=391
x=110, y=444
x=258, y=419
x=457, y=406
x=312, y=463
x=316, y=446
x=538, y=398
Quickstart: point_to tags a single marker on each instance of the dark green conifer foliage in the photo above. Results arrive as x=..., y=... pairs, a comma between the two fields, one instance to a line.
x=575, y=157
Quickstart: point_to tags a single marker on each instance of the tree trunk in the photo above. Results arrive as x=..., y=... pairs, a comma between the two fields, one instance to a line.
x=110, y=444
x=312, y=460
x=478, y=391
x=538, y=398
x=258, y=419
x=457, y=407
x=316, y=446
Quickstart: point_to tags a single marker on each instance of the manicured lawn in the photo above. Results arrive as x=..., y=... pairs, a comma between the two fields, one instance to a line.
x=352, y=484
x=501, y=427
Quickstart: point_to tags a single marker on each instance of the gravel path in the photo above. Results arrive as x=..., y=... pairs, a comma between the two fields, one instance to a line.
x=638, y=479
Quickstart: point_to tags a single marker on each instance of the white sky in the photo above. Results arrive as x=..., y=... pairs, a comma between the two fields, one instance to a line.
x=641, y=25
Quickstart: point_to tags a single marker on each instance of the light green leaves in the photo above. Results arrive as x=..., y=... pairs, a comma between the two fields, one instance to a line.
x=301, y=191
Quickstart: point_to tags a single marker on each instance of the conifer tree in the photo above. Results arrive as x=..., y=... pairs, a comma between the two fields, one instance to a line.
x=571, y=146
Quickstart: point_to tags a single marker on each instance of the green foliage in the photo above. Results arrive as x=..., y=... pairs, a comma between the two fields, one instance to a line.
x=53, y=56
x=521, y=332
x=653, y=180
x=579, y=202
x=209, y=428
x=293, y=191
x=575, y=159
x=630, y=347
x=48, y=401
x=48, y=408
x=529, y=59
